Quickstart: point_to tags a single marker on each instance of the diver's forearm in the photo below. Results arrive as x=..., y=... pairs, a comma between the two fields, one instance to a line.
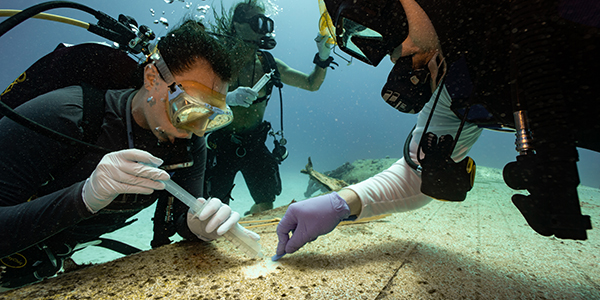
x=353, y=201
x=316, y=78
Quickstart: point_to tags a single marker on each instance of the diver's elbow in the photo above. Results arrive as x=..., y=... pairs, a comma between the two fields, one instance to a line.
x=313, y=87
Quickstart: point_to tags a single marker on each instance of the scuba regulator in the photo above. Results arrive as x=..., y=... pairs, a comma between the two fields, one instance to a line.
x=267, y=42
x=128, y=37
x=279, y=151
x=102, y=67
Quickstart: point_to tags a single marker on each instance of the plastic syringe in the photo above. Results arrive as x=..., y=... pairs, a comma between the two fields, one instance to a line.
x=263, y=80
x=236, y=235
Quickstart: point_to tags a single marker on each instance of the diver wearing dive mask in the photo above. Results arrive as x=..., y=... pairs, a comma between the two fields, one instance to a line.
x=193, y=106
x=240, y=147
x=370, y=39
x=92, y=193
x=479, y=40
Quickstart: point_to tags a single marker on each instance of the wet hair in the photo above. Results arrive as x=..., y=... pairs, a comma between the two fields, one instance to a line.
x=243, y=9
x=223, y=26
x=224, y=21
x=185, y=44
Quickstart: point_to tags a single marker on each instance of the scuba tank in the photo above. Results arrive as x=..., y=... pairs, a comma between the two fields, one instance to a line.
x=95, y=65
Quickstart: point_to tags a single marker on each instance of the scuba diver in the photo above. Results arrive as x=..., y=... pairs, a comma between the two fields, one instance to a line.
x=240, y=147
x=57, y=197
x=465, y=66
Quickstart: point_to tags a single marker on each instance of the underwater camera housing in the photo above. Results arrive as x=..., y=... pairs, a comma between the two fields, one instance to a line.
x=442, y=178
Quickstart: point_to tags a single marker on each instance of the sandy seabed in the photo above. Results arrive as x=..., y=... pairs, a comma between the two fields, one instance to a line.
x=481, y=248
x=139, y=234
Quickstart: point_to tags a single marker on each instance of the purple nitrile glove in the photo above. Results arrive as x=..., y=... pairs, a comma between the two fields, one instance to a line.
x=308, y=219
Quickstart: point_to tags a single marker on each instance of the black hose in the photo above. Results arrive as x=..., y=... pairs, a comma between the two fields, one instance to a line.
x=281, y=111
x=12, y=22
x=17, y=19
x=406, y=150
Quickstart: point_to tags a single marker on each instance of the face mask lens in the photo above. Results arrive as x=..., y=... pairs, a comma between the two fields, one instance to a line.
x=196, y=114
x=261, y=24
x=189, y=113
x=219, y=121
x=270, y=26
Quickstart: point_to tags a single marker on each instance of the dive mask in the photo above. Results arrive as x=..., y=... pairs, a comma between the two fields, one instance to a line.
x=205, y=111
x=263, y=25
x=368, y=30
x=193, y=106
x=260, y=23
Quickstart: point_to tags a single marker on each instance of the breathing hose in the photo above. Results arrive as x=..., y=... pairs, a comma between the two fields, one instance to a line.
x=107, y=27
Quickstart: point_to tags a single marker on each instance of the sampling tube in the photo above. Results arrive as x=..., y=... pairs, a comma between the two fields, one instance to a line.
x=262, y=81
x=236, y=235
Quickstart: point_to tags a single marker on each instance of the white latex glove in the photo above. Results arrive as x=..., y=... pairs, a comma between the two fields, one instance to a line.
x=121, y=172
x=242, y=96
x=214, y=215
x=324, y=48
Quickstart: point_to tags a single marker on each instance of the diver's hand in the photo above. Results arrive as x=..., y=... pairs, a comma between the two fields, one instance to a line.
x=215, y=220
x=324, y=48
x=242, y=96
x=308, y=219
x=123, y=172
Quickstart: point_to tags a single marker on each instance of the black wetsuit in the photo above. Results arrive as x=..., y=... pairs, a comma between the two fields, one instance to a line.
x=42, y=212
x=231, y=153
x=476, y=38
x=534, y=56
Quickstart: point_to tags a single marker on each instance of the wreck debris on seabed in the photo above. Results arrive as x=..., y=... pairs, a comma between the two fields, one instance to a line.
x=346, y=174
x=331, y=184
x=319, y=181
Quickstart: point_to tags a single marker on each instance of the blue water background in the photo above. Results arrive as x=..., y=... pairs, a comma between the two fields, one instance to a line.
x=345, y=120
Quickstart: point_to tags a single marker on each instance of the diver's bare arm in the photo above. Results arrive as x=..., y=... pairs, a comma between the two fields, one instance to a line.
x=353, y=201
x=293, y=77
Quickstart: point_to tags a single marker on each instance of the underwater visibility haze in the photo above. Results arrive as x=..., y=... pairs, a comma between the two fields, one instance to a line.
x=479, y=247
x=345, y=120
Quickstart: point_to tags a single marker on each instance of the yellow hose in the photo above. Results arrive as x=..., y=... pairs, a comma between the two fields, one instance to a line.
x=45, y=16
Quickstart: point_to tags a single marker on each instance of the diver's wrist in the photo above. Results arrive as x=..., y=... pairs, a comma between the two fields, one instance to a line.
x=323, y=64
x=352, y=200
